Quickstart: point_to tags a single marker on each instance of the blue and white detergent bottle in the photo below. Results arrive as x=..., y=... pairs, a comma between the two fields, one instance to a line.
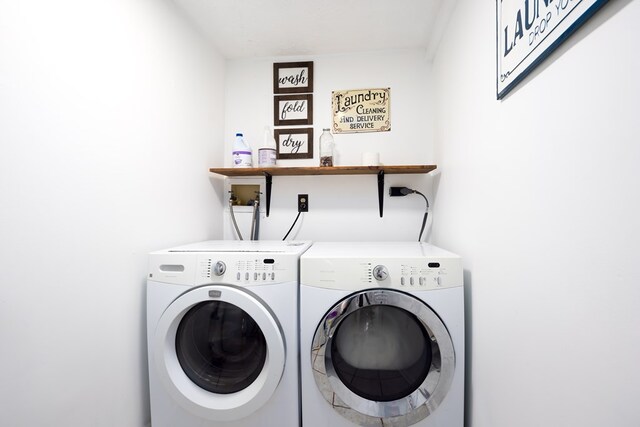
x=241, y=153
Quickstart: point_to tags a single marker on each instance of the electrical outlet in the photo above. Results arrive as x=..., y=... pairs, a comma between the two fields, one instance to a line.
x=303, y=203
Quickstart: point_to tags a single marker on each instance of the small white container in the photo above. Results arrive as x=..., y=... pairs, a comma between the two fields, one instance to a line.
x=267, y=153
x=370, y=159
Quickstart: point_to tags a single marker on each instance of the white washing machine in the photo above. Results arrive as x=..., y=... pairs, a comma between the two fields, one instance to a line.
x=382, y=335
x=222, y=334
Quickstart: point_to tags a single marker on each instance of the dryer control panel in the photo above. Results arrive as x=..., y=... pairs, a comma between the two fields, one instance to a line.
x=388, y=273
x=333, y=269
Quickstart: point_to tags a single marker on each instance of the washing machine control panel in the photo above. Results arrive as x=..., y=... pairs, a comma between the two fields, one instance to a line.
x=240, y=263
x=246, y=270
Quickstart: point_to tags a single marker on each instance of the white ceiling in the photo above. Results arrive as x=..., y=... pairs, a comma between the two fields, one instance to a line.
x=262, y=28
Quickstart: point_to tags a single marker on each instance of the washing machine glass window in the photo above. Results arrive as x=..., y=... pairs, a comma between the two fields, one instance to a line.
x=382, y=354
x=194, y=354
x=220, y=347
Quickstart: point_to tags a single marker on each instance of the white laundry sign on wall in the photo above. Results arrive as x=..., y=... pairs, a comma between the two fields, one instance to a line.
x=362, y=110
x=529, y=30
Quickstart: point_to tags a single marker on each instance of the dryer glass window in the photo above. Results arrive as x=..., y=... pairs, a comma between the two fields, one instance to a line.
x=381, y=352
x=220, y=347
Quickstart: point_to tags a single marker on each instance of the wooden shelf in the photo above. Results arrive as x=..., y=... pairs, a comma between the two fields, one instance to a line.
x=269, y=173
x=317, y=170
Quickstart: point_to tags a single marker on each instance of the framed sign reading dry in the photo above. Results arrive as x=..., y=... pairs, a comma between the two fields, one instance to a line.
x=293, y=77
x=362, y=110
x=291, y=110
x=529, y=30
x=294, y=143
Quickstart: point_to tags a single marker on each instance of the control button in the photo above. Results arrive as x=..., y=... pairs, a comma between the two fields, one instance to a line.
x=380, y=272
x=421, y=280
x=264, y=276
x=411, y=281
x=246, y=276
x=439, y=280
x=402, y=281
x=273, y=276
x=219, y=268
x=238, y=276
x=255, y=276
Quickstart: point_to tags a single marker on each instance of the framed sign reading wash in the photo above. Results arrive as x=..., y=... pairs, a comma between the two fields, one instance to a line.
x=529, y=30
x=293, y=77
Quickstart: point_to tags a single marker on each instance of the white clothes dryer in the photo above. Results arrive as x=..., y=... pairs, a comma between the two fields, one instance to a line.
x=222, y=334
x=382, y=335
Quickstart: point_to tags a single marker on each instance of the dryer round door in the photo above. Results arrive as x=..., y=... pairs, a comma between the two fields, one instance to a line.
x=382, y=355
x=219, y=351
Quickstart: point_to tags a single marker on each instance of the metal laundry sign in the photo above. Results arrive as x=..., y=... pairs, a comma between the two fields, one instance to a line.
x=362, y=110
x=529, y=30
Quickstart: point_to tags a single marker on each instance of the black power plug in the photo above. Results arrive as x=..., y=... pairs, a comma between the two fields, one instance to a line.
x=403, y=191
x=400, y=191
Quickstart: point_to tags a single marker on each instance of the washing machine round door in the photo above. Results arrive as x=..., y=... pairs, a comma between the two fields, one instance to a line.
x=219, y=351
x=382, y=356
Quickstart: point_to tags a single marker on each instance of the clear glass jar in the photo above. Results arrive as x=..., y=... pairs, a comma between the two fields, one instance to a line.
x=326, y=148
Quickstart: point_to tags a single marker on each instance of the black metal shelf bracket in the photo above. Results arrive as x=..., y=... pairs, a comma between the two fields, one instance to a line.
x=380, y=190
x=268, y=178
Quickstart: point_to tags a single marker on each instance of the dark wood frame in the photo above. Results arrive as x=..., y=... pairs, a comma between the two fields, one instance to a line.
x=307, y=131
x=284, y=65
x=277, y=121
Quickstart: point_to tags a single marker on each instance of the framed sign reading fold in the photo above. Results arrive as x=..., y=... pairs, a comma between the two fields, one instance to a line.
x=294, y=143
x=529, y=30
x=291, y=110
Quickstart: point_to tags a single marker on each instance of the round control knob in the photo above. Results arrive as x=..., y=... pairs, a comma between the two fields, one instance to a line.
x=219, y=268
x=380, y=272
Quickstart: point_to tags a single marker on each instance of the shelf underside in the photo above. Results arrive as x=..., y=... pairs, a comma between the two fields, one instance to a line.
x=316, y=170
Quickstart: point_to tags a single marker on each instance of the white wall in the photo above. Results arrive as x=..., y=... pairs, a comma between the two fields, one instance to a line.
x=341, y=208
x=111, y=113
x=539, y=194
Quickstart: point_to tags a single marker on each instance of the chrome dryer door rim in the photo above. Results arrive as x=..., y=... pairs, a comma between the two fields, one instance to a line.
x=408, y=410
